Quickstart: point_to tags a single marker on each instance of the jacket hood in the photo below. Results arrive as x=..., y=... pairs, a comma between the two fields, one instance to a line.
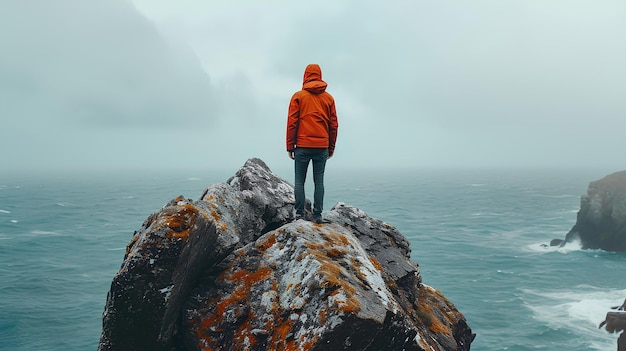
x=312, y=80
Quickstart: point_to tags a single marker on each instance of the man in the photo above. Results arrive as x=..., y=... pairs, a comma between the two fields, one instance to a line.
x=311, y=135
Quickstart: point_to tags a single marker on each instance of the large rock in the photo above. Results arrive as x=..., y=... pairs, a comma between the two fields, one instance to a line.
x=235, y=271
x=601, y=220
x=616, y=322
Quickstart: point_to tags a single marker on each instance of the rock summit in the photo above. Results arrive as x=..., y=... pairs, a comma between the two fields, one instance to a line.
x=235, y=270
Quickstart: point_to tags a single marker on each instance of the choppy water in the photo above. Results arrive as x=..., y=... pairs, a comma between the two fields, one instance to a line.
x=477, y=236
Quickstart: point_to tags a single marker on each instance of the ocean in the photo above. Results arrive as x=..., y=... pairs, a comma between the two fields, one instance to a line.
x=478, y=236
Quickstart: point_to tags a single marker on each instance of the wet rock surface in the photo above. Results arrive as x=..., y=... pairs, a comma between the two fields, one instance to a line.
x=601, y=220
x=235, y=271
x=615, y=322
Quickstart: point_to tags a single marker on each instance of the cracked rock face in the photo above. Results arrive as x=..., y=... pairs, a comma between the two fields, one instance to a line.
x=601, y=220
x=235, y=271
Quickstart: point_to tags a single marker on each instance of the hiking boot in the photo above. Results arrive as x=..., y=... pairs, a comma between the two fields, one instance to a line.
x=317, y=218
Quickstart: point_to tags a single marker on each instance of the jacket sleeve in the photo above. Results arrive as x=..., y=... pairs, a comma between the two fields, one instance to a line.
x=293, y=118
x=332, y=129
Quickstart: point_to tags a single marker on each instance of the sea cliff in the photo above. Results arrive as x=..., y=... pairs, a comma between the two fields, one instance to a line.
x=235, y=270
x=601, y=220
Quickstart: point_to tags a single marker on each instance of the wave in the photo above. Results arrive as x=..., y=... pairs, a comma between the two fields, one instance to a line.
x=117, y=248
x=5, y=211
x=65, y=204
x=43, y=232
x=544, y=247
x=562, y=196
x=487, y=214
x=580, y=312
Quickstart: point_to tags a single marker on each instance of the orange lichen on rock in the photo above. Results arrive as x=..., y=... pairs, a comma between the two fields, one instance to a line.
x=438, y=327
x=276, y=320
x=313, y=246
x=333, y=274
x=441, y=320
x=433, y=324
x=376, y=264
x=216, y=216
x=306, y=345
x=266, y=243
x=215, y=213
x=180, y=220
x=336, y=238
x=282, y=333
x=325, y=269
x=250, y=278
x=212, y=322
x=334, y=252
x=322, y=315
x=335, y=244
x=359, y=273
x=243, y=335
x=245, y=281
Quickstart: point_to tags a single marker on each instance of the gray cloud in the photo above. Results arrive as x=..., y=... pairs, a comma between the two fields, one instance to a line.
x=485, y=83
x=97, y=64
x=418, y=83
x=512, y=62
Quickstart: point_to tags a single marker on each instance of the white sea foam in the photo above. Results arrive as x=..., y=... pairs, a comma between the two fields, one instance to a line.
x=579, y=311
x=5, y=211
x=562, y=196
x=43, y=232
x=546, y=248
x=486, y=214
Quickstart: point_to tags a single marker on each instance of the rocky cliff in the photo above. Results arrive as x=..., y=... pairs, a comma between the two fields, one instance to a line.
x=235, y=271
x=601, y=220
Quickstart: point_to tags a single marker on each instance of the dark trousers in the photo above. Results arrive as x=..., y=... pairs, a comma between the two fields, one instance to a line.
x=302, y=157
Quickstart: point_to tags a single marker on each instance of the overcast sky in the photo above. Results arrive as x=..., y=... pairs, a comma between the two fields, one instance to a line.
x=196, y=83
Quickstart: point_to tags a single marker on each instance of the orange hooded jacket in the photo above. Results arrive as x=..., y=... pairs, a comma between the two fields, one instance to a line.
x=312, y=119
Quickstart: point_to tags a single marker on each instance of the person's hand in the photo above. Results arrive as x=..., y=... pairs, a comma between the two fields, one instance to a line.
x=290, y=155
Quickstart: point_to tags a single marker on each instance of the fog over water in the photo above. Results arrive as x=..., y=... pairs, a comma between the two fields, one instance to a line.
x=142, y=84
